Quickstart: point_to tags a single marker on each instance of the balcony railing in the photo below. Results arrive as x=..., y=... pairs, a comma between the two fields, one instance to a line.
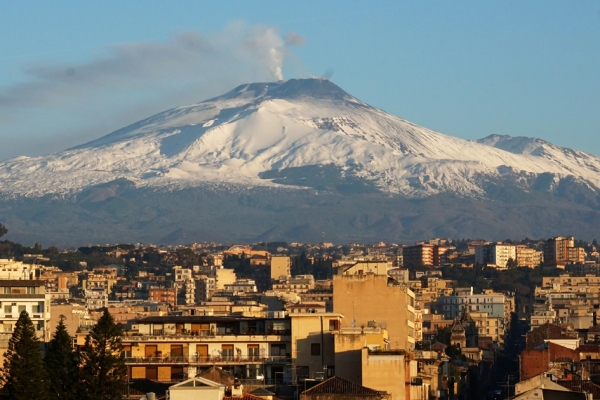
x=204, y=334
x=217, y=359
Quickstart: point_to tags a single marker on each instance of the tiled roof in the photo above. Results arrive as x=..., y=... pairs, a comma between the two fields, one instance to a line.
x=581, y=386
x=217, y=374
x=337, y=385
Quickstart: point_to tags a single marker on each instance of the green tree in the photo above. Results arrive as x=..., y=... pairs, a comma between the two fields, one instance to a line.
x=3, y=230
x=103, y=367
x=24, y=376
x=62, y=365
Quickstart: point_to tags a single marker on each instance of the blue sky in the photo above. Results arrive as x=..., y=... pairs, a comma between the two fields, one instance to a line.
x=73, y=71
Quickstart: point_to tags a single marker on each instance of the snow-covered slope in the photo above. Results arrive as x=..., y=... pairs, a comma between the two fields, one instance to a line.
x=273, y=126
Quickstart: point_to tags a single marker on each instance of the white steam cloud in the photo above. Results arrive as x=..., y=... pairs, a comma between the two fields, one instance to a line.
x=142, y=78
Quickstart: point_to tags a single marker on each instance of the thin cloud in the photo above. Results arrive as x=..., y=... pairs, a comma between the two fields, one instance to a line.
x=143, y=76
x=260, y=50
x=293, y=39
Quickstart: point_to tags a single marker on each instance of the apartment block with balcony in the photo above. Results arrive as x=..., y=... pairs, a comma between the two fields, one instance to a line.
x=11, y=269
x=424, y=254
x=296, y=284
x=366, y=298
x=496, y=306
x=23, y=295
x=562, y=250
x=495, y=254
x=173, y=348
x=528, y=257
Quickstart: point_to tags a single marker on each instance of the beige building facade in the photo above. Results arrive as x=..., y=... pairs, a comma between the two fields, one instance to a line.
x=369, y=300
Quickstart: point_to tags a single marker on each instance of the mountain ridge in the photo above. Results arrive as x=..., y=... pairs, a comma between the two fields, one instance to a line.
x=290, y=160
x=254, y=130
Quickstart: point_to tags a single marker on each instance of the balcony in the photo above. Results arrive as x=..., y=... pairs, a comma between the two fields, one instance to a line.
x=207, y=360
x=207, y=336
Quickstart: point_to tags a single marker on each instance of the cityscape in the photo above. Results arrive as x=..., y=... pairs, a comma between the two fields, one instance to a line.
x=440, y=319
x=269, y=200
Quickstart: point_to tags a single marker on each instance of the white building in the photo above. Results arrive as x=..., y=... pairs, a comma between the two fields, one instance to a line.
x=496, y=254
x=96, y=298
x=25, y=295
x=16, y=270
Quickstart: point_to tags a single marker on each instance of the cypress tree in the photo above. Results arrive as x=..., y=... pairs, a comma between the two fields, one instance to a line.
x=24, y=376
x=103, y=363
x=62, y=365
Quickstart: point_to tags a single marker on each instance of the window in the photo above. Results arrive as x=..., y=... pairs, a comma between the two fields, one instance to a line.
x=152, y=373
x=253, y=352
x=227, y=351
x=315, y=349
x=302, y=372
x=177, y=373
x=22, y=308
x=278, y=350
x=176, y=350
x=334, y=325
x=7, y=309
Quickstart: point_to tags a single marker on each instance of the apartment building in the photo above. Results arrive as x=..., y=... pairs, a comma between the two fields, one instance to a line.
x=528, y=257
x=23, y=295
x=496, y=306
x=562, y=250
x=11, y=269
x=488, y=326
x=280, y=266
x=164, y=295
x=361, y=299
x=495, y=254
x=96, y=298
x=206, y=286
x=173, y=348
x=424, y=254
x=313, y=348
x=296, y=284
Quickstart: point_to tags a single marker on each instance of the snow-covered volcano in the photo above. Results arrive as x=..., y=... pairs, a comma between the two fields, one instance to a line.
x=261, y=130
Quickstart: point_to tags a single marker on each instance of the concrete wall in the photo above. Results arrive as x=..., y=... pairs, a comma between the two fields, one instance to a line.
x=309, y=329
x=71, y=321
x=224, y=277
x=368, y=297
x=196, y=393
x=385, y=372
x=280, y=266
x=534, y=362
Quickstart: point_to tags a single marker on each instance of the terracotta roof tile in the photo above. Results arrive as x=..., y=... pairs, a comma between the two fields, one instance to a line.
x=337, y=385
